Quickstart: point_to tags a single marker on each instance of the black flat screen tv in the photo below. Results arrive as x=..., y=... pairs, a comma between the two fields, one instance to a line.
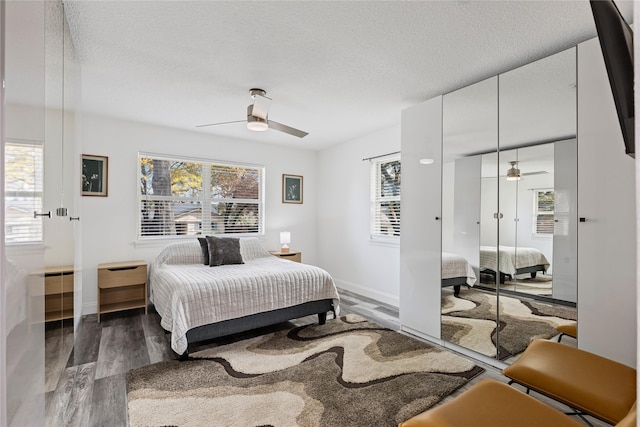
x=616, y=42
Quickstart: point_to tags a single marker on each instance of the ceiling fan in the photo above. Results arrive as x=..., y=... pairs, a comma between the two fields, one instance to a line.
x=514, y=174
x=257, y=116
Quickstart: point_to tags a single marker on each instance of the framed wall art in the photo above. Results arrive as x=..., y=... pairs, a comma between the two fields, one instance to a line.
x=291, y=189
x=95, y=175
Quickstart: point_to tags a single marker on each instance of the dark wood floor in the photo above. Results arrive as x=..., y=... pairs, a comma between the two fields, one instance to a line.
x=85, y=383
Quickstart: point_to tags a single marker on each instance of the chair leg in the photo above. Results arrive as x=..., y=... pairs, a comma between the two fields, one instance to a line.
x=512, y=382
x=580, y=415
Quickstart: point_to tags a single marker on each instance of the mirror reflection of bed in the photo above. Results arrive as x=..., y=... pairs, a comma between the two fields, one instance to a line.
x=509, y=208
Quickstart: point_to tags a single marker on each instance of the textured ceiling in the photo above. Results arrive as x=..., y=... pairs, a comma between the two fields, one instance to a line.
x=338, y=70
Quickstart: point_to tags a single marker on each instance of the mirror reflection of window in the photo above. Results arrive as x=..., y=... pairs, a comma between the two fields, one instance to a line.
x=24, y=163
x=543, y=211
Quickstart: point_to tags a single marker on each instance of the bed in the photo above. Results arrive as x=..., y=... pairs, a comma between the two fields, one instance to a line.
x=197, y=302
x=513, y=261
x=456, y=271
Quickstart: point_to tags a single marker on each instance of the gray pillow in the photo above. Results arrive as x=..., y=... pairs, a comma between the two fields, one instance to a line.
x=223, y=251
x=205, y=249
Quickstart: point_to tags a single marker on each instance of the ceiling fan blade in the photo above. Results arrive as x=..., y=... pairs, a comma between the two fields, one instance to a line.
x=221, y=123
x=534, y=173
x=261, y=106
x=287, y=129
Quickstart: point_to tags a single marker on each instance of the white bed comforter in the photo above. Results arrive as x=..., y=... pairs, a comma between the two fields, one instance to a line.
x=454, y=265
x=511, y=258
x=188, y=294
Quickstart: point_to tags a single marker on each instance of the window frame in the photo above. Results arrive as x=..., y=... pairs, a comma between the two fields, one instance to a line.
x=537, y=212
x=376, y=200
x=205, y=197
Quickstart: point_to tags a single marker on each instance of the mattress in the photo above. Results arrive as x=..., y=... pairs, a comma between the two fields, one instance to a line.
x=188, y=294
x=511, y=258
x=454, y=265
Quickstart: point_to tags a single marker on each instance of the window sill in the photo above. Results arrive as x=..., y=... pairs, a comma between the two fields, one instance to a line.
x=24, y=248
x=542, y=236
x=381, y=241
x=159, y=242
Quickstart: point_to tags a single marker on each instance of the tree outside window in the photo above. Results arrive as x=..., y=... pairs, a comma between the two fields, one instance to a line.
x=185, y=197
x=24, y=171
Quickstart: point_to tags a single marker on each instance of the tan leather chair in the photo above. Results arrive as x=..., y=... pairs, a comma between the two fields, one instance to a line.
x=584, y=381
x=491, y=403
x=570, y=329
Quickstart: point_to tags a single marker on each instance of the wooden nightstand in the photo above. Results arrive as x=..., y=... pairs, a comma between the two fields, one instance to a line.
x=291, y=256
x=57, y=293
x=122, y=286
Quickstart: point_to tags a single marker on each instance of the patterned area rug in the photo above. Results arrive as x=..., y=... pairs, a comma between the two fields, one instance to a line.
x=348, y=372
x=540, y=285
x=469, y=321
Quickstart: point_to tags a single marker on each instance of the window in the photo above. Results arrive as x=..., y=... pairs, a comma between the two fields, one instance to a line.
x=23, y=191
x=543, y=215
x=186, y=197
x=385, y=197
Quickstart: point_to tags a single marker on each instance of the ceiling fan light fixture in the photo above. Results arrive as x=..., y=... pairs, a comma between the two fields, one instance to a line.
x=257, y=124
x=513, y=174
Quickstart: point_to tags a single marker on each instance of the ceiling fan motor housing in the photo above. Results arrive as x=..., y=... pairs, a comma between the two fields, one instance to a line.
x=255, y=123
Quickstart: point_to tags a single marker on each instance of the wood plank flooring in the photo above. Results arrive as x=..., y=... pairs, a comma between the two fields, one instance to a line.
x=85, y=380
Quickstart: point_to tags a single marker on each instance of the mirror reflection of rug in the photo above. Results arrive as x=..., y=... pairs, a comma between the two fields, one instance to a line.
x=541, y=285
x=470, y=321
x=348, y=372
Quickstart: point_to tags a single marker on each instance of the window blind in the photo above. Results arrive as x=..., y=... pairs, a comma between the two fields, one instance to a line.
x=543, y=212
x=186, y=197
x=385, y=197
x=24, y=171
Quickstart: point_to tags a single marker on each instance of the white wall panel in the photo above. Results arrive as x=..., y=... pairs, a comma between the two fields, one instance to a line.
x=22, y=310
x=420, y=247
x=606, y=199
x=466, y=229
x=565, y=241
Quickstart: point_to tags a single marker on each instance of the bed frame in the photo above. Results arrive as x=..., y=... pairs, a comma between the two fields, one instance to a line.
x=456, y=282
x=258, y=320
x=532, y=270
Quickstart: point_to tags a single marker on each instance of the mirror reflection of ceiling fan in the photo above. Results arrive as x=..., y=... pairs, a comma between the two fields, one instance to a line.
x=514, y=174
x=257, y=116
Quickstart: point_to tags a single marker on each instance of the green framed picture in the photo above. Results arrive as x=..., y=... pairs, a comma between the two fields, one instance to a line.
x=95, y=175
x=291, y=189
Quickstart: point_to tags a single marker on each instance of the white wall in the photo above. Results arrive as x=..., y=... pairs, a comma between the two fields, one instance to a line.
x=109, y=223
x=606, y=199
x=345, y=249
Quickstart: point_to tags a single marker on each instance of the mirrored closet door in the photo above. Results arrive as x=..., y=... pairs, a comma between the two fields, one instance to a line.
x=470, y=127
x=509, y=208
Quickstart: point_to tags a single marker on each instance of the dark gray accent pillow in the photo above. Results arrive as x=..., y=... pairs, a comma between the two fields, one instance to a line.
x=223, y=251
x=204, y=245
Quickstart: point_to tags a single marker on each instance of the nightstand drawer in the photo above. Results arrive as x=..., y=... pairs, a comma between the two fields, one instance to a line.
x=291, y=256
x=122, y=286
x=121, y=274
x=58, y=283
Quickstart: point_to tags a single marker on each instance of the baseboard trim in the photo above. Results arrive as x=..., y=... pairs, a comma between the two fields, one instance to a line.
x=89, y=308
x=384, y=297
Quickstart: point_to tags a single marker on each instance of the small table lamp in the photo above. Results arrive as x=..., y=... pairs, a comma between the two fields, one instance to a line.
x=285, y=239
